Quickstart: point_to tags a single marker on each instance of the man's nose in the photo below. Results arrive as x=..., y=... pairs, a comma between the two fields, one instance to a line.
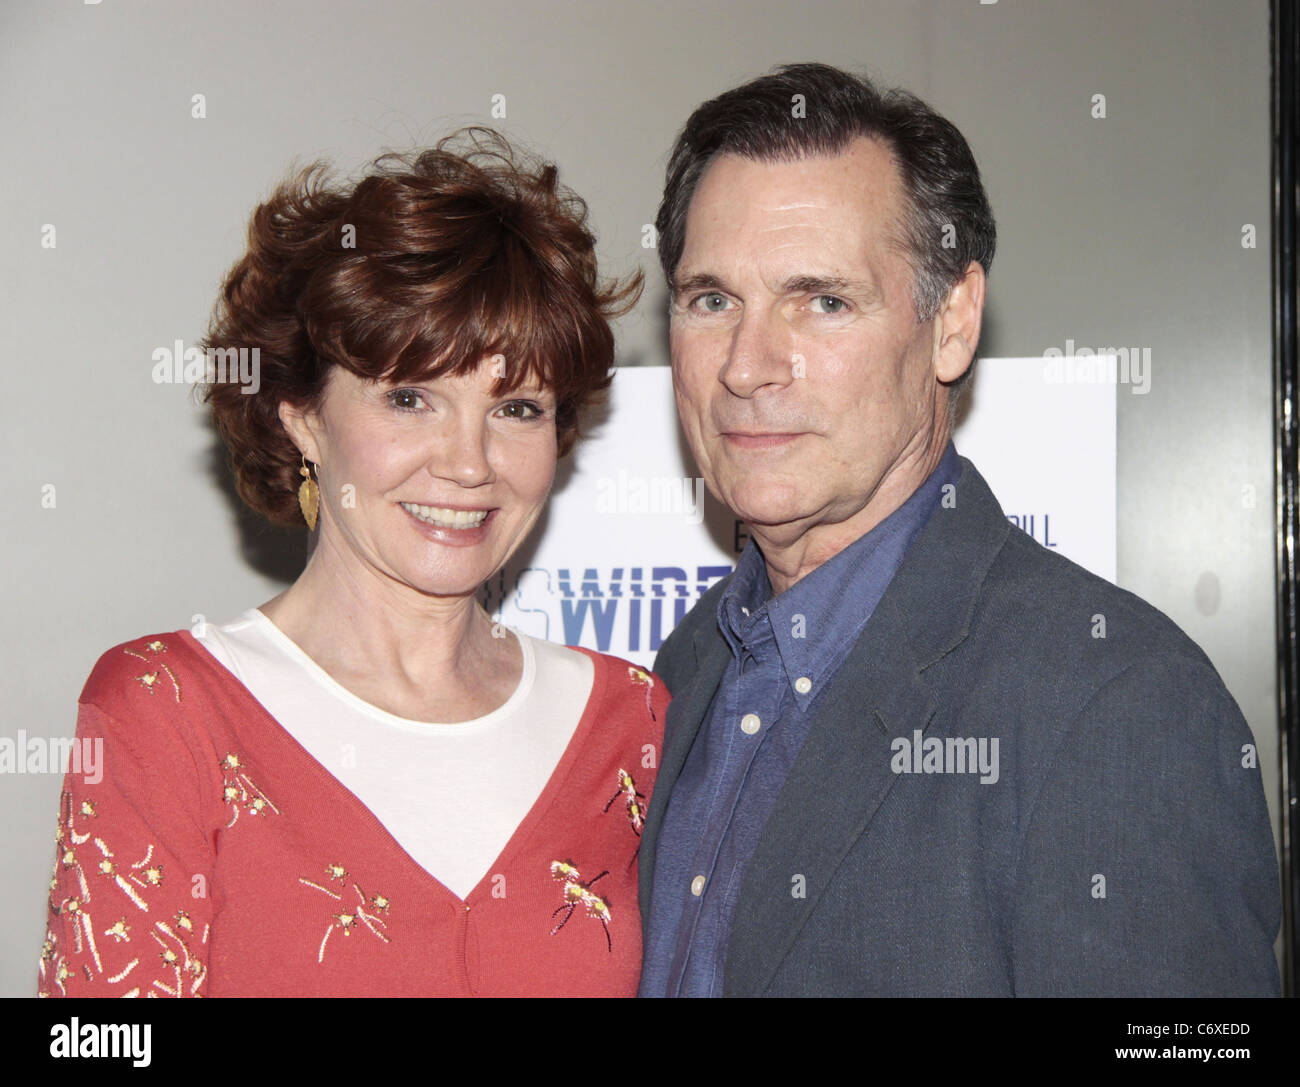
x=461, y=453
x=759, y=355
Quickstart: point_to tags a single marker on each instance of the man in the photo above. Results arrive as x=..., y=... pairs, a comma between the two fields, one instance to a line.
x=910, y=751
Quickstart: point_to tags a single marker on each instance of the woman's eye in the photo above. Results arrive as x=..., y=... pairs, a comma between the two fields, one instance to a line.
x=522, y=409
x=405, y=399
x=830, y=304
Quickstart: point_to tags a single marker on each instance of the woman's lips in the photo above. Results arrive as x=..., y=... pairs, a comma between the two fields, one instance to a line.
x=446, y=516
x=454, y=535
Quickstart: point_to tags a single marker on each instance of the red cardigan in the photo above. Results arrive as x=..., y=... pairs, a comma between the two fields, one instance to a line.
x=216, y=857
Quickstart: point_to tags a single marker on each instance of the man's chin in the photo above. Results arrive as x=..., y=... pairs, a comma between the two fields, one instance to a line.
x=774, y=518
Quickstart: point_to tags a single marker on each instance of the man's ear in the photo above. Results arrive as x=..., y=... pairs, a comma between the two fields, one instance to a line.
x=302, y=427
x=959, y=323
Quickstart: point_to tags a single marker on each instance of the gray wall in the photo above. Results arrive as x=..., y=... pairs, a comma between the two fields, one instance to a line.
x=1117, y=231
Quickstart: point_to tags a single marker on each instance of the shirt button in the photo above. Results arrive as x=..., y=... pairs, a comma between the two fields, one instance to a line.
x=749, y=724
x=697, y=886
x=744, y=611
x=803, y=684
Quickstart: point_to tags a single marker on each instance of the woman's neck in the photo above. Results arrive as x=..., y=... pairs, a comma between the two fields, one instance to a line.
x=433, y=658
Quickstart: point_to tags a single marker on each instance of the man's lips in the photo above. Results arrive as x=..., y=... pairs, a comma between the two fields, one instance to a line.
x=760, y=439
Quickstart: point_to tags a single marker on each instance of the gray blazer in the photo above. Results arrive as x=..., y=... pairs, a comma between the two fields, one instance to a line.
x=1124, y=849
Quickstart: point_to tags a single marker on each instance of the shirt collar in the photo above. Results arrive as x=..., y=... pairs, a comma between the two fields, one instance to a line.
x=742, y=610
x=818, y=619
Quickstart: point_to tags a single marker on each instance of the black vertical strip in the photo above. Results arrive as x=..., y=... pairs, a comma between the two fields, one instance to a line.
x=1286, y=116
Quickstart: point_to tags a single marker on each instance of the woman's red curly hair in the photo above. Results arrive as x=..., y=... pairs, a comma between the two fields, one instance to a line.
x=432, y=263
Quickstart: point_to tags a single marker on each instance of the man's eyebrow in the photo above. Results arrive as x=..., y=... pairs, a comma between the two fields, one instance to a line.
x=700, y=281
x=824, y=285
x=803, y=284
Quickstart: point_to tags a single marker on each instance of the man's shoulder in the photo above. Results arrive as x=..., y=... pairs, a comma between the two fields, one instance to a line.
x=1020, y=591
x=1062, y=620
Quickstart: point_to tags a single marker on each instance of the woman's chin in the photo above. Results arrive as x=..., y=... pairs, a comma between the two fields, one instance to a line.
x=448, y=579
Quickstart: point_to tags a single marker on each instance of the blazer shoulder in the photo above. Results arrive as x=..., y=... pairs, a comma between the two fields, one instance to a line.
x=1063, y=616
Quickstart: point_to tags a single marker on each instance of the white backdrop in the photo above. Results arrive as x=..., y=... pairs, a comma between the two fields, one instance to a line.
x=632, y=538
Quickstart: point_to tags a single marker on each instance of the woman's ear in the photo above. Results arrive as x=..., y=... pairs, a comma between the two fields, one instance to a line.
x=302, y=427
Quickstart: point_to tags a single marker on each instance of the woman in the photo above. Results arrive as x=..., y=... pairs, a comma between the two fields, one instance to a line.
x=365, y=787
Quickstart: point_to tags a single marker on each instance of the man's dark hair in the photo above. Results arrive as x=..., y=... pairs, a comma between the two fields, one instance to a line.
x=760, y=121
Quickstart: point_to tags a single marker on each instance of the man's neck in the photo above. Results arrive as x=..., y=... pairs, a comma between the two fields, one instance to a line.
x=793, y=551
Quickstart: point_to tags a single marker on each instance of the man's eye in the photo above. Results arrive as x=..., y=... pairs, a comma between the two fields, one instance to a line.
x=830, y=304
x=711, y=302
x=405, y=399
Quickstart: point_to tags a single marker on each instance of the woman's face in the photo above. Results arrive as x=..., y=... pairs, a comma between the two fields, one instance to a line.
x=431, y=484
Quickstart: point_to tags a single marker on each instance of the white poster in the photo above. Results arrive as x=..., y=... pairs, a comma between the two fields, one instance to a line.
x=1046, y=446
x=631, y=539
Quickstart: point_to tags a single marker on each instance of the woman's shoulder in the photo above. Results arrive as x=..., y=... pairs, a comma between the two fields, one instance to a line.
x=629, y=683
x=624, y=669
x=155, y=670
x=163, y=710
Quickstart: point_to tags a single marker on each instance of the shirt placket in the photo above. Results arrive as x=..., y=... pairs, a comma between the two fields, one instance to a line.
x=751, y=707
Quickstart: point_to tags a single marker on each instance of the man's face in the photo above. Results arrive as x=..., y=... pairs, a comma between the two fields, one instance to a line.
x=805, y=385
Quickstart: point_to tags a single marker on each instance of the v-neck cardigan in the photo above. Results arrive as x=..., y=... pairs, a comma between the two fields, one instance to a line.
x=216, y=857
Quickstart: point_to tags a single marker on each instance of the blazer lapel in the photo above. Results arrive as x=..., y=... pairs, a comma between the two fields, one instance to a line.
x=842, y=773
x=836, y=785
x=686, y=713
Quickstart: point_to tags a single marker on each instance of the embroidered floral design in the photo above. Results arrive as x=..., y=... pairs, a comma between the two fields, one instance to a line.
x=239, y=791
x=149, y=680
x=640, y=677
x=75, y=907
x=351, y=912
x=175, y=953
x=634, y=801
x=577, y=893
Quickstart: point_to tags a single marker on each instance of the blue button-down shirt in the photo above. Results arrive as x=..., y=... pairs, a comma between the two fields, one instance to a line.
x=785, y=651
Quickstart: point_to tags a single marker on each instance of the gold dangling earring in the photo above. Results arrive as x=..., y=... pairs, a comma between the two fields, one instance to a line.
x=308, y=495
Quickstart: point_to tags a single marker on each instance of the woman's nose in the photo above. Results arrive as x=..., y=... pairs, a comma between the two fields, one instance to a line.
x=461, y=454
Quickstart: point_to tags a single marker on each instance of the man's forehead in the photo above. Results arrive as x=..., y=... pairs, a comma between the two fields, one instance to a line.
x=865, y=165
x=838, y=208
x=859, y=187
